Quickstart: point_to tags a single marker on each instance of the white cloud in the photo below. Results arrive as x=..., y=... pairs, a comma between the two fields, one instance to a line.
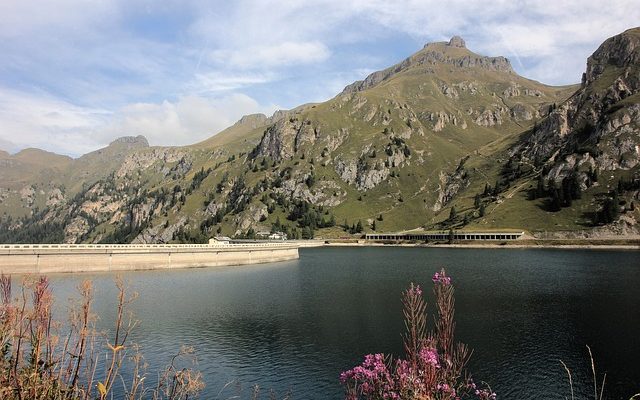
x=283, y=54
x=528, y=31
x=186, y=121
x=217, y=81
x=39, y=120
x=28, y=120
x=118, y=60
x=8, y=146
x=27, y=17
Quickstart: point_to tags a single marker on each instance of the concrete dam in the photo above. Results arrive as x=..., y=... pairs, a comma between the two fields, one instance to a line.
x=59, y=258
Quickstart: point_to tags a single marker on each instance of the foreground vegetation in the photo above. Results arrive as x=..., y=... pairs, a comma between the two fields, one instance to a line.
x=44, y=358
x=41, y=358
x=434, y=367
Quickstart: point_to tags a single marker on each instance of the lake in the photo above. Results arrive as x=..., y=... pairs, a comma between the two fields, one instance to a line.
x=294, y=326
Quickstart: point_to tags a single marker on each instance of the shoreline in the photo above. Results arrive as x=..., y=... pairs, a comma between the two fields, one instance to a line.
x=560, y=244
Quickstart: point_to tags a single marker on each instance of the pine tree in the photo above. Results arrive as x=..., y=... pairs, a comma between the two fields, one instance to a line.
x=477, y=201
x=487, y=189
x=482, y=210
x=593, y=174
x=452, y=213
x=556, y=201
x=540, y=190
x=574, y=188
x=307, y=233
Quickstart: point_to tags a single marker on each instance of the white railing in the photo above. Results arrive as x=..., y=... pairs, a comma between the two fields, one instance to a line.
x=140, y=246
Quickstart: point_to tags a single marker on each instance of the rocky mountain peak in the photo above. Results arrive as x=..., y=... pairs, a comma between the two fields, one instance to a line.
x=449, y=54
x=457, y=41
x=131, y=141
x=253, y=120
x=620, y=51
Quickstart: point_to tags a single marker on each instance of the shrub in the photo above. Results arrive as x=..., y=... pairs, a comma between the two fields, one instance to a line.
x=434, y=363
x=41, y=358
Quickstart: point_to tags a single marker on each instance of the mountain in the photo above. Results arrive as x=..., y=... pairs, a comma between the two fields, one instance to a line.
x=29, y=164
x=590, y=142
x=444, y=139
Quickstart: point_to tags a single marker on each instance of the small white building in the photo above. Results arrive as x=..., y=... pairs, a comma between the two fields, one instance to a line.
x=220, y=240
x=278, y=236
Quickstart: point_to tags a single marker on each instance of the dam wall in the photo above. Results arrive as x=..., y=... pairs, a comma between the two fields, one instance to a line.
x=61, y=258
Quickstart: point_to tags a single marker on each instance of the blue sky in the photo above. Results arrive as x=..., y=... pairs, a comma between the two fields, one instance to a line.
x=75, y=74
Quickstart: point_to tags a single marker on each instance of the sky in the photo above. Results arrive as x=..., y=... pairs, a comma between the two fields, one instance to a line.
x=76, y=74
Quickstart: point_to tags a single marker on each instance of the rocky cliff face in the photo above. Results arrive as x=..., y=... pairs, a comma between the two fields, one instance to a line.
x=621, y=51
x=601, y=119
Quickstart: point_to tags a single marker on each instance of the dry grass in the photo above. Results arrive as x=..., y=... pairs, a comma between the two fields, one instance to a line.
x=41, y=358
x=598, y=394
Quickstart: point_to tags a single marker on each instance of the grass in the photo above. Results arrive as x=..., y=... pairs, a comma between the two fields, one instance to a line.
x=42, y=358
x=597, y=393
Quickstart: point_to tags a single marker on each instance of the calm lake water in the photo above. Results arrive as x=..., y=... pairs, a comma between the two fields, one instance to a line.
x=296, y=325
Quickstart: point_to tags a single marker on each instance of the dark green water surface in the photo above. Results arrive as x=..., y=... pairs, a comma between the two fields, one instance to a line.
x=296, y=325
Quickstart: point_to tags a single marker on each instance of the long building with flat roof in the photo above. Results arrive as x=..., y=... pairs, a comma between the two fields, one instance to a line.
x=446, y=235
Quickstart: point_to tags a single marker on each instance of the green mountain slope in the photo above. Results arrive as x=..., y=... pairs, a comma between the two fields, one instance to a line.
x=443, y=129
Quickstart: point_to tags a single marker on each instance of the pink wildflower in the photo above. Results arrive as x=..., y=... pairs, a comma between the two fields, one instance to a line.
x=429, y=356
x=441, y=278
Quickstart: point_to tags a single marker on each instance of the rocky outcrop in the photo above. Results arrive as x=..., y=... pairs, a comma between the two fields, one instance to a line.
x=28, y=195
x=621, y=51
x=594, y=118
x=532, y=92
x=160, y=157
x=449, y=185
x=131, y=142
x=160, y=233
x=512, y=91
x=434, y=54
x=250, y=218
x=520, y=113
x=362, y=175
x=441, y=119
x=253, y=120
x=54, y=197
x=449, y=91
x=457, y=41
x=489, y=118
x=283, y=139
x=75, y=230
x=515, y=90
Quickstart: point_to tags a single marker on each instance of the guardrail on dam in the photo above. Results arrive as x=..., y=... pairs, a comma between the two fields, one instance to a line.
x=55, y=258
